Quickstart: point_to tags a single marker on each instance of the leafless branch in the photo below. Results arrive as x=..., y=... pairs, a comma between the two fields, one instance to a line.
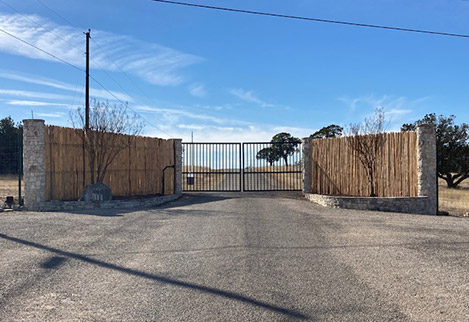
x=106, y=137
x=367, y=140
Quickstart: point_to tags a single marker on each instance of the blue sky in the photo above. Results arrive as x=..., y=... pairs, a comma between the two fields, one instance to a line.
x=234, y=77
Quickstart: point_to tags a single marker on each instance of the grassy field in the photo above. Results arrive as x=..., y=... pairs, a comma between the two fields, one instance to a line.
x=201, y=181
x=454, y=201
x=284, y=181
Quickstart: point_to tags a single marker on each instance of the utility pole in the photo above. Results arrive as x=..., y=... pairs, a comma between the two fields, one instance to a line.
x=87, y=91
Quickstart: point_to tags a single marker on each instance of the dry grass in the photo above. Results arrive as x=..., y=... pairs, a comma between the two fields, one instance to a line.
x=8, y=187
x=454, y=201
x=282, y=181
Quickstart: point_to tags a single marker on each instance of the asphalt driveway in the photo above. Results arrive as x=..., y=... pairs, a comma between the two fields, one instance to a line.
x=233, y=257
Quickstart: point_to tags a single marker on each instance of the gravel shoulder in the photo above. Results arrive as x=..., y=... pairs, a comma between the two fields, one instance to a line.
x=233, y=257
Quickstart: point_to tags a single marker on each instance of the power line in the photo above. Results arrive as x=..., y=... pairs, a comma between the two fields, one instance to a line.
x=119, y=100
x=56, y=13
x=41, y=50
x=41, y=26
x=125, y=91
x=128, y=77
x=83, y=71
x=347, y=23
x=120, y=69
x=105, y=72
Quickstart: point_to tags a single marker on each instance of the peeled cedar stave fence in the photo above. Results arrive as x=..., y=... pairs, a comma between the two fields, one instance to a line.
x=336, y=169
x=136, y=171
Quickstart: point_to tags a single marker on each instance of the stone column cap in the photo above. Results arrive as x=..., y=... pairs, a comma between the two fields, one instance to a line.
x=33, y=120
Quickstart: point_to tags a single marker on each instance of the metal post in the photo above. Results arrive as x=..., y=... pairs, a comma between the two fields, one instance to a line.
x=87, y=89
x=20, y=166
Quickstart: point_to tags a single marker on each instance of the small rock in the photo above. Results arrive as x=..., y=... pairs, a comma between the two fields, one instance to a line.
x=466, y=214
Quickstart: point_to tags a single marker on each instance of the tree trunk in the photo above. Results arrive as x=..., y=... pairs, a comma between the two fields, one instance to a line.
x=372, y=184
x=286, y=160
x=452, y=182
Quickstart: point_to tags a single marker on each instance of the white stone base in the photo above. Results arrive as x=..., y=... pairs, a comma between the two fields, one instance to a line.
x=415, y=205
x=113, y=204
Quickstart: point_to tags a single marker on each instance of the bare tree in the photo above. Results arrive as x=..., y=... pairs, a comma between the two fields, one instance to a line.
x=106, y=137
x=367, y=140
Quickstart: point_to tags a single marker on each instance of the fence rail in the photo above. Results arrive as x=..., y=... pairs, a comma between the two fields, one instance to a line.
x=336, y=169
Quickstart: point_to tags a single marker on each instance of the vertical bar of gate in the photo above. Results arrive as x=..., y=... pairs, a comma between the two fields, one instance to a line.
x=215, y=166
x=261, y=182
x=20, y=166
x=232, y=168
x=210, y=168
x=207, y=170
x=241, y=167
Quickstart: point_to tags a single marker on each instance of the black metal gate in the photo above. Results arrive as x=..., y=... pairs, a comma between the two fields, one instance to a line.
x=271, y=166
x=255, y=166
x=211, y=167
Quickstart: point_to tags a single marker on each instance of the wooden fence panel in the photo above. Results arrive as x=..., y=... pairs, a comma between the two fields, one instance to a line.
x=136, y=171
x=336, y=169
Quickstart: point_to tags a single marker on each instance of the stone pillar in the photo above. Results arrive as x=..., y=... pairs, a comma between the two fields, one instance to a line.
x=306, y=165
x=427, y=171
x=34, y=147
x=178, y=166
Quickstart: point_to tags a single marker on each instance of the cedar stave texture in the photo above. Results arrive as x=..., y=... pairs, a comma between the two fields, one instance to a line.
x=136, y=171
x=336, y=169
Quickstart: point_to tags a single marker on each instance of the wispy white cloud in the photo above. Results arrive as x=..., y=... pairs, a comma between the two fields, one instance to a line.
x=393, y=105
x=44, y=81
x=34, y=103
x=397, y=109
x=249, y=96
x=397, y=113
x=214, y=107
x=38, y=80
x=173, y=115
x=197, y=90
x=152, y=62
x=53, y=115
x=248, y=133
x=29, y=94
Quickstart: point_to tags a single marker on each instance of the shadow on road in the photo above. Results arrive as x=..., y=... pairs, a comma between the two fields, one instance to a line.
x=158, y=278
x=194, y=199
